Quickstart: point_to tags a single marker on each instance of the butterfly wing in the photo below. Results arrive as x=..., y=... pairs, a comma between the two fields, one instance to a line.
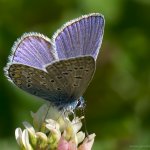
x=62, y=84
x=33, y=49
x=74, y=74
x=36, y=82
x=80, y=37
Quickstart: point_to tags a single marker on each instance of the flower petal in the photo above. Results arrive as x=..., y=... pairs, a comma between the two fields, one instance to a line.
x=52, y=124
x=54, y=135
x=31, y=131
x=80, y=136
x=72, y=145
x=63, y=144
x=44, y=112
x=54, y=132
x=18, y=135
x=87, y=143
x=77, y=124
x=69, y=133
x=41, y=140
x=29, y=127
x=39, y=116
x=25, y=140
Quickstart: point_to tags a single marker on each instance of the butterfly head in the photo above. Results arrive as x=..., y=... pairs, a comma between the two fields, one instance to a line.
x=72, y=106
x=80, y=103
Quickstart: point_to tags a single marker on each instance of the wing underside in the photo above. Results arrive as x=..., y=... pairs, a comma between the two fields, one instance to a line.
x=61, y=83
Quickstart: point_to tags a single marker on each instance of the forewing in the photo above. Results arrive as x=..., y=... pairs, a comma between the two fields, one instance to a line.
x=79, y=37
x=33, y=49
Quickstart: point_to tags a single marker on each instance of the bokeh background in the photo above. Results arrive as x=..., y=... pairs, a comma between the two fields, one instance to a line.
x=118, y=99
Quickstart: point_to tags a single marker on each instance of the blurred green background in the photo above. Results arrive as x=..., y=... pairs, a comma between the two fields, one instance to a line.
x=118, y=99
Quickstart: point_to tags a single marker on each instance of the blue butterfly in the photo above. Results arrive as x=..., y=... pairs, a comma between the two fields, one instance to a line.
x=58, y=70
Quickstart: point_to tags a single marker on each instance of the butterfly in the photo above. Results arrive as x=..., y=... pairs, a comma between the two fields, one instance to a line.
x=58, y=70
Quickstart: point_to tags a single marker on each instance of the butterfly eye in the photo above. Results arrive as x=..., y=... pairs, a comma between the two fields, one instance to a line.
x=78, y=103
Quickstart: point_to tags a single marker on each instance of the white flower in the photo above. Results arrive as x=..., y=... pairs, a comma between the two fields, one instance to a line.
x=51, y=131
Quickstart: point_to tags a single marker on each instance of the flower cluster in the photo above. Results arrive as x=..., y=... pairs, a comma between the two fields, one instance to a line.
x=53, y=131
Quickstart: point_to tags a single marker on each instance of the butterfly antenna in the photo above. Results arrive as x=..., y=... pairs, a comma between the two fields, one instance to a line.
x=47, y=112
x=84, y=121
x=44, y=120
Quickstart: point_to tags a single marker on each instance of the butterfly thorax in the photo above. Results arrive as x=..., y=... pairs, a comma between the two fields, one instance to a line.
x=69, y=105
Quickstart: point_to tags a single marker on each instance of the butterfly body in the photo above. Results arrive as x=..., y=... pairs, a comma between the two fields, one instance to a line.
x=61, y=70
